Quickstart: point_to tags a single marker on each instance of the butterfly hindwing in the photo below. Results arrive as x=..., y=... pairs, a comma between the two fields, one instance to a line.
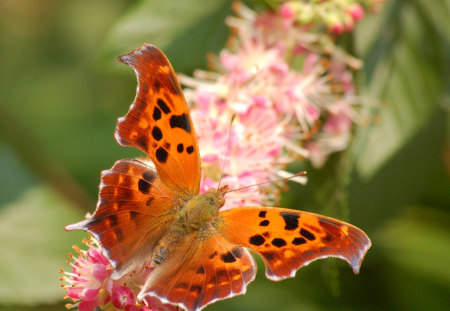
x=289, y=239
x=159, y=122
x=203, y=272
x=131, y=214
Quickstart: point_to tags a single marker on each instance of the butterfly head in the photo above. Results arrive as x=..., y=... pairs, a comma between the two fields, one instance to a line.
x=215, y=198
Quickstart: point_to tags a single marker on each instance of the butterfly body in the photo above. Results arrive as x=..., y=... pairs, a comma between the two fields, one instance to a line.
x=155, y=216
x=197, y=218
x=201, y=211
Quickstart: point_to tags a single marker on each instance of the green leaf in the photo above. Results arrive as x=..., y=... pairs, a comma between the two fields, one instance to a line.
x=416, y=242
x=413, y=248
x=33, y=244
x=185, y=30
x=403, y=65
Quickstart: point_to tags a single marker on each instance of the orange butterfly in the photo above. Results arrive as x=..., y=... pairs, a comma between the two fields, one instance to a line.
x=199, y=253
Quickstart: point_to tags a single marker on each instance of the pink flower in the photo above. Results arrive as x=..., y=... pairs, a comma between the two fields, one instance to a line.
x=89, y=275
x=89, y=285
x=276, y=106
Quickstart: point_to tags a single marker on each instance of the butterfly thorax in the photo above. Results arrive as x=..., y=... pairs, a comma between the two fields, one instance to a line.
x=196, y=219
x=200, y=211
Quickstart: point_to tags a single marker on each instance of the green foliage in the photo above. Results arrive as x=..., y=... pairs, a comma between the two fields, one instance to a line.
x=185, y=30
x=406, y=56
x=58, y=105
x=31, y=238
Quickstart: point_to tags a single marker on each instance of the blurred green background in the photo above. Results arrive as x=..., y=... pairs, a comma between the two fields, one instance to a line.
x=61, y=91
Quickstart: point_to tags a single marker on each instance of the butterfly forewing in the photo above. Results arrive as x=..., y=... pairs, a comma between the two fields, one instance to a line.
x=158, y=121
x=131, y=214
x=289, y=239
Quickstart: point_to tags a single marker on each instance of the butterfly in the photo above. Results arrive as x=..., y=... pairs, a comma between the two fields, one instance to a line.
x=155, y=216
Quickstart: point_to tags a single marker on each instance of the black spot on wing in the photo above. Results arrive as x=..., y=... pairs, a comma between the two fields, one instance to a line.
x=161, y=155
x=201, y=270
x=257, y=240
x=180, y=148
x=213, y=255
x=157, y=134
x=144, y=186
x=308, y=235
x=166, y=145
x=290, y=219
x=264, y=223
x=133, y=215
x=262, y=214
x=181, y=122
x=156, y=114
x=162, y=104
x=190, y=149
x=278, y=242
x=149, y=202
x=298, y=241
x=228, y=257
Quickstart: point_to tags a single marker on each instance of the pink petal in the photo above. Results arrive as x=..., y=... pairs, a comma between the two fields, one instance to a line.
x=96, y=257
x=122, y=296
x=74, y=292
x=89, y=293
x=99, y=272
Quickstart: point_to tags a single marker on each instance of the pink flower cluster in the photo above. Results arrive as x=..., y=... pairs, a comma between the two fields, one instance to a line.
x=90, y=287
x=292, y=96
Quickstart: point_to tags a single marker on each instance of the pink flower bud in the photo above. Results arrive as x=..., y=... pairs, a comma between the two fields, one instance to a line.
x=287, y=11
x=356, y=11
x=337, y=28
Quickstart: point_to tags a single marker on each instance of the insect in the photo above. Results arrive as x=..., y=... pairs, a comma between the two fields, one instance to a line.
x=155, y=215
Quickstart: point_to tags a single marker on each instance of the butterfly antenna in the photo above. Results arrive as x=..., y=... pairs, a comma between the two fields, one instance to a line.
x=226, y=152
x=270, y=181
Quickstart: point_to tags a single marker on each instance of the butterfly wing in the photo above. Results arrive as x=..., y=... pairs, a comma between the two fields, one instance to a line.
x=202, y=272
x=132, y=214
x=289, y=239
x=159, y=123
